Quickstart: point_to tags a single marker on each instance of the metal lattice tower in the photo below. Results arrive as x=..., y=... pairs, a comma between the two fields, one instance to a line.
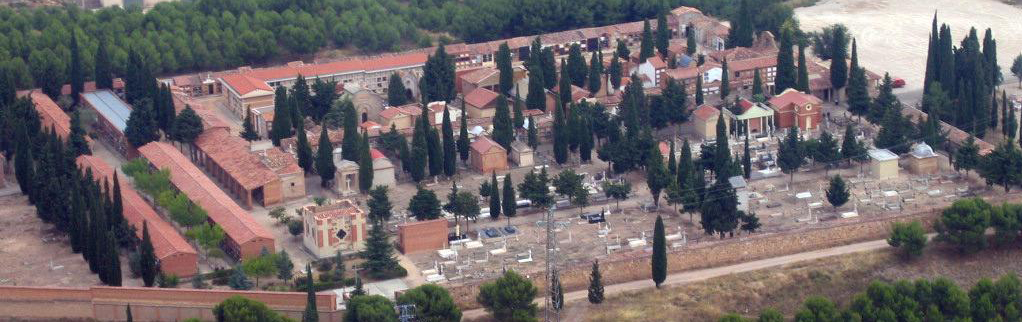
x=406, y=313
x=551, y=250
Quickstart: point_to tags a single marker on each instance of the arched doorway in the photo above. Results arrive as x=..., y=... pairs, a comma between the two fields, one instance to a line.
x=365, y=117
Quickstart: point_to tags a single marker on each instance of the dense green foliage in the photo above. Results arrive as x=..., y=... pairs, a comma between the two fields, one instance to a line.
x=238, y=308
x=509, y=298
x=432, y=303
x=910, y=238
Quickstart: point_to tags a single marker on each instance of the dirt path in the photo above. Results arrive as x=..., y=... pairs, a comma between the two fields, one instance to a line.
x=704, y=274
x=892, y=34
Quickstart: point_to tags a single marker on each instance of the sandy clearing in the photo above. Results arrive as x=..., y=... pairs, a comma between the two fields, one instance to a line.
x=892, y=34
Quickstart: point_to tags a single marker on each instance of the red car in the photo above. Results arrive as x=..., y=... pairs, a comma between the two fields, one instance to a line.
x=898, y=83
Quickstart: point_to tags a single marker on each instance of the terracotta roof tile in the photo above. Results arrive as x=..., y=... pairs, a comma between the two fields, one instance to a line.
x=232, y=154
x=280, y=162
x=90, y=86
x=752, y=63
x=478, y=75
x=706, y=112
x=236, y=222
x=657, y=62
x=166, y=240
x=790, y=96
x=483, y=144
x=376, y=154
x=50, y=114
x=480, y=97
x=245, y=84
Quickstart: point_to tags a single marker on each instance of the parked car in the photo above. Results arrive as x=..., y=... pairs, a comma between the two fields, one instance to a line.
x=898, y=83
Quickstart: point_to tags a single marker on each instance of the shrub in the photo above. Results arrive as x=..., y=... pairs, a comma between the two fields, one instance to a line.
x=910, y=238
x=167, y=281
x=388, y=274
x=295, y=227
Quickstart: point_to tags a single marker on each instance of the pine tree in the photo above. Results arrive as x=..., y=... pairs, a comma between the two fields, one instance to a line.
x=725, y=82
x=503, y=129
x=325, y=159
x=577, y=68
x=508, y=203
x=77, y=77
x=450, y=148
x=463, y=143
x=837, y=192
x=187, y=126
x=503, y=61
x=238, y=280
x=281, y=127
x=646, y=46
x=102, y=73
x=533, y=134
x=850, y=148
x=803, y=71
x=249, y=132
x=148, y=256
x=304, y=151
x=659, y=260
x=379, y=253
x=494, y=197
x=365, y=165
x=310, y=314
x=785, y=76
x=397, y=94
x=789, y=154
x=595, y=284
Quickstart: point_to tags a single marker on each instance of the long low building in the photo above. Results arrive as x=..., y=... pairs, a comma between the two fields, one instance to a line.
x=175, y=254
x=111, y=119
x=245, y=237
x=267, y=177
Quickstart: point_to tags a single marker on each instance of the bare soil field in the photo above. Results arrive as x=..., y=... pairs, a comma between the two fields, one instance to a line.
x=786, y=287
x=892, y=34
x=35, y=253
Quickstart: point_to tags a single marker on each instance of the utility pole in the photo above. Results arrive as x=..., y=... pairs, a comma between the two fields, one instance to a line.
x=551, y=252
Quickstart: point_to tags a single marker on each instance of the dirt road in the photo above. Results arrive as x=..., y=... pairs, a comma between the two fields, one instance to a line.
x=704, y=274
x=892, y=34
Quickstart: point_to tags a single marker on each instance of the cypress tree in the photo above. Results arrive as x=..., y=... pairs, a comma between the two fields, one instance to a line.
x=595, y=294
x=78, y=220
x=302, y=101
x=757, y=84
x=747, y=159
x=450, y=148
x=646, y=47
x=857, y=92
x=533, y=134
x=351, y=141
x=281, y=127
x=932, y=62
x=614, y=73
x=24, y=166
x=304, y=151
x=785, y=77
x=463, y=143
x=577, y=69
x=549, y=68
x=249, y=132
x=365, y=165
x=946, y=58
x=659, y=260
x=518, y=118
x=77, y=77
x=838, y=68
x=98, y=229
x=1010, y=122
x=699, y=91
x=690, y=41
x=417, y=162
x=741, y=33
x=503, y=61
x=993, y=112
x=536, y=97
x=397, y=94
x=503, y=130
x=310, y=314
x=803, y=71
x=722, y=154
x=76, y=140
x=663, y=33
x=102, y=73
x=595, y=72
x=560, y=137
x=434, y=152
x=325, y=159
x=508, y=202
x=622, y=50
x=990, y=53
x=564, y=88
x=494, y=197
x=725, y=81
x=113, y=263
x=148, y=257
x=117, y=206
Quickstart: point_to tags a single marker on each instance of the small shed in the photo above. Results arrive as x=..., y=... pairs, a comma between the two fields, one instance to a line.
x=486, y=155
x=884, y=163
x=705, y=121
x=521, y=154
x=923, y=160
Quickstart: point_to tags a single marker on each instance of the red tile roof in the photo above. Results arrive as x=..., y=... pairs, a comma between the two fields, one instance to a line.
x=232, y=154
x=752, y=63
x=376, y=154
x=480, y=97
x=657, y=62
x=244, y=84
x=689, y=72
x=744, y=104
x=166, y=240
x=90, y=87
x=706, y=112
x=236, y=222
x=247, y=80
x=50, y=114
x=280, y=162
x=792, y=96
x=483, y=144
x=478, y=75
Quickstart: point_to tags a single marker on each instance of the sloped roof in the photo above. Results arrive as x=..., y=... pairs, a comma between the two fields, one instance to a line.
x=90, y=86
x=245, y=84
x=657, y=62
x=236, y=222
x=232, y=154
x=480, y=97
x=280, y=162
x=683, y=10
x=479, y=75
x=793, y=96
x=51, y=114
x=166, y=240
x=706, y=112
x=111, y=108
x=483, y=144
x=752, y=63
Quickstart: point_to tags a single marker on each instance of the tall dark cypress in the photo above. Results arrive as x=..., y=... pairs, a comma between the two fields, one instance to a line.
x=659, y=260
x=577, y=69
x=281, y=127
x=646, y=46
x=117, y=221
x=310, y=314
x=503, y=61
x=699, y=91
x=450, y=148
x=560, y=136
x=990, y=55
x=148, y=257
x=99, y=226
x=103, y=75
x=417, y=162
x=463, y=143
x=741, y=33
x=77, y=77
x=595, y=72
x=785, y=76
x=725, y=81
x=113, y=261
x=365, y=165
x=518, y=117
x=325, y=159
x=803, y=71
x=932, y=62
x=946, y=58
x=435, y=151
x=494, y=197
x=838, y=67
x=663, y=33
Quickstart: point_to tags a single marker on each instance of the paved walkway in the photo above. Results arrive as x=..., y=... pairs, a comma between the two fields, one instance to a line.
x=704, y=274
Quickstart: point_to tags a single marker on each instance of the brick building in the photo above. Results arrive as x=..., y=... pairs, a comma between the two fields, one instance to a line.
x=111, y=119
x=174, y=253
x=794, y=108
x=245, y=237
x=422, y=236
x=245, y=173
x=485, y=155
x=338, y=226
